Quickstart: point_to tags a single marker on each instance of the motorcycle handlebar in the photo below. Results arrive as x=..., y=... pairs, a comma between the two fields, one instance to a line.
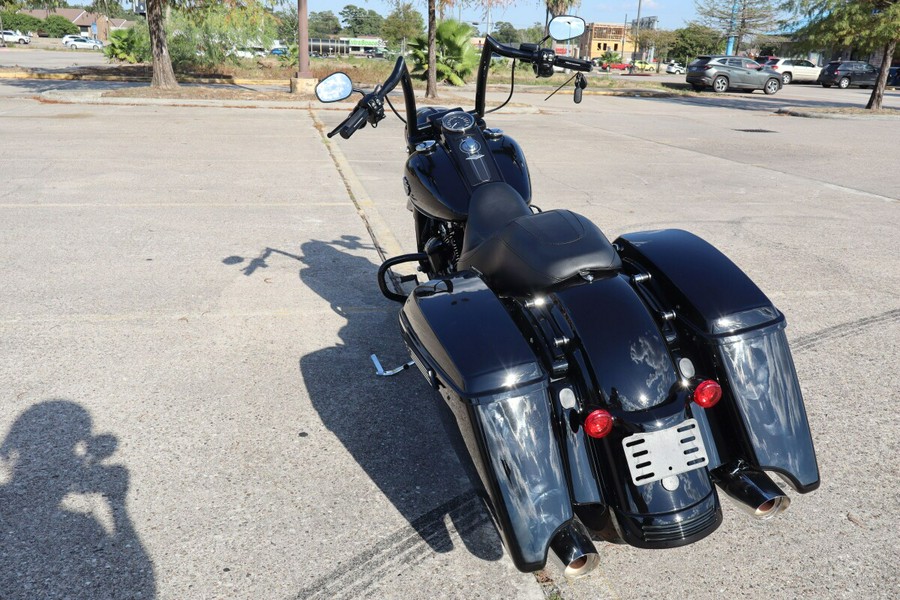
x=354, y=122
x=576, y=64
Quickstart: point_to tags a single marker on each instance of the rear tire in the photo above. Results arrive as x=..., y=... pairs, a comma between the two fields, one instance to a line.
x=844, y=83
x=720, y=84
x=772, y=86
x=786, y=78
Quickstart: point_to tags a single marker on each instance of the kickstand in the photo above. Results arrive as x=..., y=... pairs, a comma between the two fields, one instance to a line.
x=380, y=372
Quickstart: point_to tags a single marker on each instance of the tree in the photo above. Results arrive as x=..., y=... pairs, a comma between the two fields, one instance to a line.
x=404, y=23
x=163, y=73
x=695, y=40
x=867, y=25
x=431, y=85
x=322, y=24
x=533, y=34
x=738, y=18
x=456, y=57
x=660, y=39
x=561, y=7
x=506, y=33
x=359, y=21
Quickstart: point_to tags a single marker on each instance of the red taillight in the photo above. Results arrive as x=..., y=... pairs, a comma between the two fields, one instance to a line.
x=774, y=67
x=598, y=424
x=707, y=393
x=708, y=66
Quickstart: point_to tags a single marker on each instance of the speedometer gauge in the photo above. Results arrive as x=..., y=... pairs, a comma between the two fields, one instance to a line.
x=458, y=121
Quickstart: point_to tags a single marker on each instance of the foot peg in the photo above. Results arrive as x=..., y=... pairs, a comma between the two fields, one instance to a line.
x=380, y=372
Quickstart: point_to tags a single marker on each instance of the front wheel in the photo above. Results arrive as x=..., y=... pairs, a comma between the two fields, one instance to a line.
x=720, y=84
x=771, y=87
x=21, y=41
x=786, y=78
x=844, y=83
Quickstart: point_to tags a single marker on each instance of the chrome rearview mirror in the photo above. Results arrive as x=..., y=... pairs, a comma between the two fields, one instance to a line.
x=335, y=87
x=566, y=27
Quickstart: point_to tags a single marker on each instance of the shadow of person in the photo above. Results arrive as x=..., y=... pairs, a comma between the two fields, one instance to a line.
x=390, y=426
x=64, y=527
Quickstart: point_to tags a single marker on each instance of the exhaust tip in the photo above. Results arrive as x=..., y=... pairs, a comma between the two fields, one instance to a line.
x=574, y=551
x=772, y=508
x=582, y=565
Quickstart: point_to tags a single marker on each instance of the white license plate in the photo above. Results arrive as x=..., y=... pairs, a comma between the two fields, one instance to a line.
x=655, y=455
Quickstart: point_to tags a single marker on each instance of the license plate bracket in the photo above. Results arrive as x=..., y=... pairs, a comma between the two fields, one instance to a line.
x=655, y=455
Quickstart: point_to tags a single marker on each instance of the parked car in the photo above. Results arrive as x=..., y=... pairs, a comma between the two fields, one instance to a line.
x=676, y=68
x=894, y=76
x=248, y=52
x=643, y=65
x=608, y=66
x=374, y=53
x=279, y=51
x=723, y=73
x=68, y=38
x=845, y=74
x=14, y=37
x=794, y=69
x=83, y=43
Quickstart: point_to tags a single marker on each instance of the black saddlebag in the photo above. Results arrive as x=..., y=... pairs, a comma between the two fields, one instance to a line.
x=466, y=344
x=729, y=328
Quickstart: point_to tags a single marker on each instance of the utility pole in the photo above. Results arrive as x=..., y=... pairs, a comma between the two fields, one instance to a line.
x=637, y=32
x=729, y=47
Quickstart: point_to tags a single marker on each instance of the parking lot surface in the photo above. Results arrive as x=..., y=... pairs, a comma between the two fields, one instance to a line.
x=189, y=304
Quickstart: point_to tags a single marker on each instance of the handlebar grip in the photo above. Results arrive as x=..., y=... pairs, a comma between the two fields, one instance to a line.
x=356, y=121
x=576, y=64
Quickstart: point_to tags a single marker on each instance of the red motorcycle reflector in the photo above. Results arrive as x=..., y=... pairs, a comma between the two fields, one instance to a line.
x=598, y=424
x=708, y=393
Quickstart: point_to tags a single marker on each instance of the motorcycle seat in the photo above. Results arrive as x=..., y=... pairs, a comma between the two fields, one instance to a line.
x=519, y=252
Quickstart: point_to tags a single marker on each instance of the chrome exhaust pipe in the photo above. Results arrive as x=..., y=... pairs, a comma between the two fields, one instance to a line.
x=754, y=491
x=573, y=547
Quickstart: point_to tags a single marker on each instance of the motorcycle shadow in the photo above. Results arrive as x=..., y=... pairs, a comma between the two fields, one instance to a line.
x=390, y=426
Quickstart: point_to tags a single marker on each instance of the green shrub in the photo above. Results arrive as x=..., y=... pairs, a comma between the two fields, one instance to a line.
x=57, y=26
x=129, y=45
x=23, y=23
x=455, y=59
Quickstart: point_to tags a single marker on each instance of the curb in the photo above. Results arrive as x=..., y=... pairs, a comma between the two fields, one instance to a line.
x=791, y=111
x=136, y=79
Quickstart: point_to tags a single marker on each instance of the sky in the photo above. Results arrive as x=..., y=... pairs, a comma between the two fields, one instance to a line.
x=524, y=13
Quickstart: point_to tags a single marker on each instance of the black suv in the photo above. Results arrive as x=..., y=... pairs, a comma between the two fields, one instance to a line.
x=722, y=73
x=847, y=73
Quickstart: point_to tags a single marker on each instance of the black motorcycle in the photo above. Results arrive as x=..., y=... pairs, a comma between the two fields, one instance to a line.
x=594, y=391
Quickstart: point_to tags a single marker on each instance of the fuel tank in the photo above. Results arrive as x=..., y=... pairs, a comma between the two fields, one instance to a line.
x=440, y=177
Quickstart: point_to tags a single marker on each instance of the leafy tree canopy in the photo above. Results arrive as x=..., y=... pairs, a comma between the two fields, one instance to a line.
x=740, y=18
x=323, y=24
x=404, y=22
x=506, y=33
x=359, y=21
x=694, y=40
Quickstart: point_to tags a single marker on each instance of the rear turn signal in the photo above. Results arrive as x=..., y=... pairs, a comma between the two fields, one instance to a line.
x=708, y=393
x=598, y=424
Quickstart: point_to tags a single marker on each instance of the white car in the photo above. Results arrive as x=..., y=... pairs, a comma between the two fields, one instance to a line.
x=85, y=43
x=68, y=38
x=675, y=68
x=794, y=69
x=14, y=37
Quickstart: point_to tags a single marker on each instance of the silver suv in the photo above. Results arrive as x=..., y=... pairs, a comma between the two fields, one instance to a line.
x=723, y=73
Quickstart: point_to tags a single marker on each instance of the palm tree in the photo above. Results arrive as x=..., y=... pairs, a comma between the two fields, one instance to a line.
x=561, y=7
x=455, y=57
